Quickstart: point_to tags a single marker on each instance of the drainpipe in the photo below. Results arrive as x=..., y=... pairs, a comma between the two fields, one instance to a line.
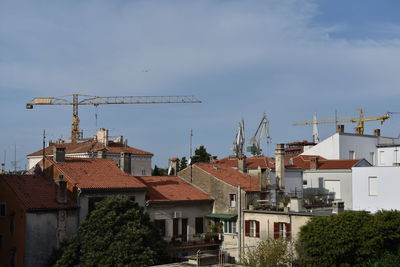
x=239, y=198
x=79, y=206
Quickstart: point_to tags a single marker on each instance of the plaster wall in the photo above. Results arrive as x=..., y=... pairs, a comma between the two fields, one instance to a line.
x=388, y=184
x=388, y=156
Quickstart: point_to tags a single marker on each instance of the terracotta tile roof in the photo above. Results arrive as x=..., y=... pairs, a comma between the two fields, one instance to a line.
x=96, y=174
x=255, y=162
x=304, y=162
x=171, y=188
x=92, y=146
x=34, y=192
x=231, y=176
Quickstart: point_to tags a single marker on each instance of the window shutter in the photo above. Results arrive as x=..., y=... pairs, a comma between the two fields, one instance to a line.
x=257, y=229
x=288, y=230
x=276, y=230
x=247, y=228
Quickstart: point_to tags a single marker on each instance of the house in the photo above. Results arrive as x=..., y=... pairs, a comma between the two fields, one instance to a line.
x=89, y=180
x=375, y=188
x=35, y=216
x=343, y=145
x=331, y=180
x=100, y=147
x=388, y=154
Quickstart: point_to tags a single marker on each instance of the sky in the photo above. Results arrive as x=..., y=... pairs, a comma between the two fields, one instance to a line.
x=288, y=59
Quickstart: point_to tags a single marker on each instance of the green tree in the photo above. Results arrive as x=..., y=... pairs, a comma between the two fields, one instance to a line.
x=350, y=238
x=201, y=155
x=183, y=163
x=270, y=252
x=117, y=233
x=158, y=171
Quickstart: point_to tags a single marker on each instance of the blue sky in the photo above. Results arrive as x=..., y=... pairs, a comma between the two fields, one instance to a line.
x=241, y=58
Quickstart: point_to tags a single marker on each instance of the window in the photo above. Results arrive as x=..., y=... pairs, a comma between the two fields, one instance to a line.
x=1, y=241
x=229, y=227
x=13, y=257
x=282, y=230
x=396, y=158
x=199, y=225
x=2, y=209
x=381, y=157
x=160, y=225
x=252, y=228
x=372, y=186
x=232, y=200
x=12, y=223
x=175, y=228
x=92, y=203
x=304, y=182
x=143, y=172
x=372, y=158
x=352, y=154
x=133, y=198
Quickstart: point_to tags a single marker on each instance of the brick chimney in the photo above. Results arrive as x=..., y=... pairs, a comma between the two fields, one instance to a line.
x=242, y=163
x=314, y=163
x=61, y=190
x=280, y=165
x=59, y=153
x=173, y=163
x=340, y=128
x=125, y=162
x=377, y=132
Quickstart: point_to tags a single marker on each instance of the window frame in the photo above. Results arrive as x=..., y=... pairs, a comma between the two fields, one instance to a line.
x=229, y=227
x=232, y=200
x=373, y=194
x=3, y=209
x=199, y=226
x=160, y=225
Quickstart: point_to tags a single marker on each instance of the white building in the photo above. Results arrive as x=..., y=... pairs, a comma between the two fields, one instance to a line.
x=376, y=188
x=388, y=155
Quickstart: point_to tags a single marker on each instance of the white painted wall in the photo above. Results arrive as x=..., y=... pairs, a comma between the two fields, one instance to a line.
x=293, y=181
x=388, y=188
x=388, y=156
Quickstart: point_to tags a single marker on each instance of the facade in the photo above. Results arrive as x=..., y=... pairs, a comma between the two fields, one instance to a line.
x=375, y=188
x=388, y=155
x=89, y=180
x=100, y=147
x=331, y=180
x=35, y=216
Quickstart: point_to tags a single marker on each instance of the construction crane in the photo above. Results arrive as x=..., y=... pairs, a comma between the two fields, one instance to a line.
x=76, y=100
x=239, y=140
x=359, y=129
x=256, y=141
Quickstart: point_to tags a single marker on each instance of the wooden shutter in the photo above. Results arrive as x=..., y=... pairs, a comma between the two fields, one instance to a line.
x=276, y=230
x=288, y=230
x=257, y=228
x=247, y=228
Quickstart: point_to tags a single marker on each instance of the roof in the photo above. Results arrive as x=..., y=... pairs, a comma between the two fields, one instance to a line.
x=304, y=162
x=96, y=174
x=255, y=162
x=226, y=217
x=91, y=146
x=171, y=188
x=231, y=176
x=35, y=192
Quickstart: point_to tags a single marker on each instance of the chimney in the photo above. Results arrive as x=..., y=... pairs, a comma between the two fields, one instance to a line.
x=125, y=162
x=337, y=207
x=101, y=154
x=213, y=159
x=242, y=163
x=314, y=163
x=59, y=153
x=377, y=132
x=173, y=163
x=119, y=139
x=262, y=177
x=102, y=136
x=280, y=165
x=61, y=190
x=296, y=204
x=340, y=128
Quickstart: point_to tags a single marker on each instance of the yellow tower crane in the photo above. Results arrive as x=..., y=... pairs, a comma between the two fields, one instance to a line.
x=78, y=99
x=359, y=120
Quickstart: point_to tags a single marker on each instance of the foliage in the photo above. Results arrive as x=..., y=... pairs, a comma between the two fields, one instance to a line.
x=117, y=233
x=201, y=155
x=350, y=238
x=158, y=171
x=270, y=252
x=183, y=163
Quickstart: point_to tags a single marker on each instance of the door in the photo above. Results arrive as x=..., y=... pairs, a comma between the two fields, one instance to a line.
x=184, y=229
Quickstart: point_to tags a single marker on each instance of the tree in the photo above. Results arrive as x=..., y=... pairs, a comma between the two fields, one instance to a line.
x=351, y=238
x=158, y=171
x=117, y=233
x=201, y=155
x=183, y=163
x=270, y=252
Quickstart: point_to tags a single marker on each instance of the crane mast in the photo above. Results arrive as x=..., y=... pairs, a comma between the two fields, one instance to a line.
x=239, y=140
x=78, y=99
x=256, y=142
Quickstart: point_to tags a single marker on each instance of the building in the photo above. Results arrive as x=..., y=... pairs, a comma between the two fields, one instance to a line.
x=89, y=180
x=325, y=181
x=100, y=147
x=375, y=188
x=35, y=216
x=388, y=154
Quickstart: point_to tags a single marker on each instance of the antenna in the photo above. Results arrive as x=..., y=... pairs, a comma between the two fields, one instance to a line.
x=44, y=147
x=14, y=163
x=3, y=165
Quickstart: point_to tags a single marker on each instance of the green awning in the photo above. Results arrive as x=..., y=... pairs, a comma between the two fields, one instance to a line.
x=224, y=217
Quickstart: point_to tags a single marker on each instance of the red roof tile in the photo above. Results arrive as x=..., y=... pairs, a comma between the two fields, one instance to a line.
x=92, y=146
x=171, y=188
x=34, y=192
x=231, y=176
x=255, y=162
x=304, y=162
x=96, y=173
